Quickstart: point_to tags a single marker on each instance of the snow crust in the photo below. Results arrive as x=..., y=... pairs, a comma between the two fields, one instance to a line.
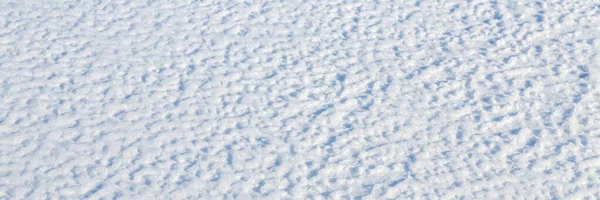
x=333, y=99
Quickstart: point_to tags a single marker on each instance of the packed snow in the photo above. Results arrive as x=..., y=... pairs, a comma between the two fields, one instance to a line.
x=289, y=99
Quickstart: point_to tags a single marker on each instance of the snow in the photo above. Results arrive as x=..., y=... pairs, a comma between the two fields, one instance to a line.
x=335, y=99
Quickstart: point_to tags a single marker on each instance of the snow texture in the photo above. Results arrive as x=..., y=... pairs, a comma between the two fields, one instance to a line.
x=287, y=99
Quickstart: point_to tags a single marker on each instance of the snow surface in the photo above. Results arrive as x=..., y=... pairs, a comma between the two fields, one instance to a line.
x=333, y=99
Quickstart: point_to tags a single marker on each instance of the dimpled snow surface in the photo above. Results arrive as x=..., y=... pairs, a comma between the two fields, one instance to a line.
x=286, y=99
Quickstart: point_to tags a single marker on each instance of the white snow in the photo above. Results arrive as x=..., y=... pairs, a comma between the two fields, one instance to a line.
x=334, y=99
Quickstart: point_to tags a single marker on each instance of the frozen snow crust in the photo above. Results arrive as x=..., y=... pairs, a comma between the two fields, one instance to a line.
x=428, y=99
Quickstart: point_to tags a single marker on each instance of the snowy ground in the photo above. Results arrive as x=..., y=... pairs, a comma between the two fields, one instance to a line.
x=285, y=99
